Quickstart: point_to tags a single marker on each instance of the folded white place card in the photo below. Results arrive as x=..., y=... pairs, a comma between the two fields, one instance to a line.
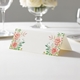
x=41, y=42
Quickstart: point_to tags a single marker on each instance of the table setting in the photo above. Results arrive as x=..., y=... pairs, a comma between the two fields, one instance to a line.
x=38, y=50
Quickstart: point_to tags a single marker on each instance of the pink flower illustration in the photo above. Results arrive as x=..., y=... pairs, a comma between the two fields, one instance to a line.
x=51, y=37
x=14, y=44
x=18, y=39
x=16, y=36
x=53, y=47
x=54, y=50
x=57, y=41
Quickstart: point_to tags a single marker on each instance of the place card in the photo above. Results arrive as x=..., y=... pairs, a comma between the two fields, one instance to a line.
x=40, y=42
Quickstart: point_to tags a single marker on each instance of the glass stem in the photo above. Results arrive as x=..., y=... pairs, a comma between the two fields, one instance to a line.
x=38, y=19
x=3, y=18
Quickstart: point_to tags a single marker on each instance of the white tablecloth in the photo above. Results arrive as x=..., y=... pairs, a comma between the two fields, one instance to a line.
x=18, y=65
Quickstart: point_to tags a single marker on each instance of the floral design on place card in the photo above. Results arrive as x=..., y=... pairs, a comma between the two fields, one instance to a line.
x=53, y=47
x=18, y=39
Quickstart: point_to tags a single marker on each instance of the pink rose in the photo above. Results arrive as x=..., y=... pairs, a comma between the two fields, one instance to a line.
x=16, y=36
x=57, y=41
x=54, y=50
x=14, y=44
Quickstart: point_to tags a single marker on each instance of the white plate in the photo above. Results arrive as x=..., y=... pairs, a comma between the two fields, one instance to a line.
x=74, y=37
x=10, y=34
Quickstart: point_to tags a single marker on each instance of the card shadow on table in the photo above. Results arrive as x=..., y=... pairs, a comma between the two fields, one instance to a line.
x=73, y=54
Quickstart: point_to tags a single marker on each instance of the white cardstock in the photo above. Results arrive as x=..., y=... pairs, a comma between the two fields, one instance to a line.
x=40, y=42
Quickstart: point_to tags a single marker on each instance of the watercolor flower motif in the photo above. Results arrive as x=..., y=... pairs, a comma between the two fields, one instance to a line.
x=14, y=45
x=16, y=36
x=57, y=41
x=53, y=51
x=18, y=39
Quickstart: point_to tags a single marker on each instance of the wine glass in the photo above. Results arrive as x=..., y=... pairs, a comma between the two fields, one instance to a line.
x=78, y=16
x=38, y=12
x=4, y=5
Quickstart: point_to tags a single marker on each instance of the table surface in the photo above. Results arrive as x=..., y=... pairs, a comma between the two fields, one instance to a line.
x=65, y=27
x=18, y=65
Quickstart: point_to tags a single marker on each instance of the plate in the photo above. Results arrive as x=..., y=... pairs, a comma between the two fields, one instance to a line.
x=74, y=37
x=9, y=34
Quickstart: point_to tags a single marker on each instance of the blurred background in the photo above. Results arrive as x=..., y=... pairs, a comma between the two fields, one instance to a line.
x=66, y=11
